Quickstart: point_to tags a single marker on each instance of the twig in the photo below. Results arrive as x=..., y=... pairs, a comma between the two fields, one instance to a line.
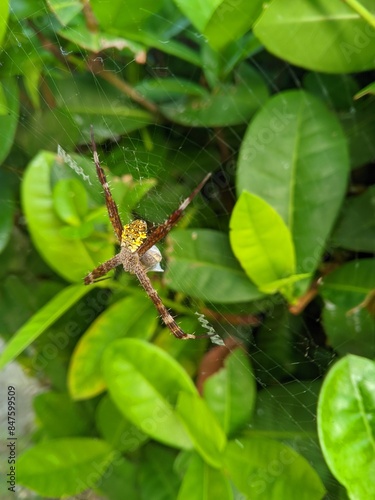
x=361, y=11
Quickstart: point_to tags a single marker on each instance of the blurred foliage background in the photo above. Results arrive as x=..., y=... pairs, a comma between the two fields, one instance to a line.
x=275, y=256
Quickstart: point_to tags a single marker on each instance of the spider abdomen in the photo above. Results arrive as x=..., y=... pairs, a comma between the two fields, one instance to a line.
x=134, y=234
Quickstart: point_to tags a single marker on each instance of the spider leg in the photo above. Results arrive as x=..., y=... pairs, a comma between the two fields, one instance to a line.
x=110, y=202
x=101, y=270
x=163, y=311
x=160, y=231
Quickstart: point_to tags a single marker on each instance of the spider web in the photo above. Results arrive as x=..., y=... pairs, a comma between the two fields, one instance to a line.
x=288, y=403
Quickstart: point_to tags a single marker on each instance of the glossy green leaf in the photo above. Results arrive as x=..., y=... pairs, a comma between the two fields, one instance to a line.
x=334, y=24
x=223, y=21
x=71, y=421
x=262, y=468
x=65, y=10
x=112, y=15
x=226, y=105
x=203, y=482
x=203, y=428
x=355, y=229
x=294, y=156
x=38, y=323
x=116, y=429
x=260, y=240
x=202, y=265
x=144, y=382
x=9, y=120
x=129, y=317
x=346, y=425
x=347, y=317
x=63, y=467
x=71, y=259
x=230, y=393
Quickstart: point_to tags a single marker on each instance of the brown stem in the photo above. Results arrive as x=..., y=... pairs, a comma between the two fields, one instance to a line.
x=305, y=300
x=97, y=68
x=91, y=21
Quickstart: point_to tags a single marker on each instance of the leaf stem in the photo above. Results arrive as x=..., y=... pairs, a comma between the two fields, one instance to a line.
x=362, y=11
x=128, y=90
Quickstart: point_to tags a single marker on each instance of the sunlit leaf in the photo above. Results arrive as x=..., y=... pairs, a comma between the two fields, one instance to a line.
x=129, y=317
x=202, y=426
x=144, y=382
x=335, y=25
x=63, y=467
x=294, y=156
x=346, y=424
x=38, y=323
x=261, y=240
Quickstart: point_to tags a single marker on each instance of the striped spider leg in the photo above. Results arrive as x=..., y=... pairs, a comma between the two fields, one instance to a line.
x=138, y=253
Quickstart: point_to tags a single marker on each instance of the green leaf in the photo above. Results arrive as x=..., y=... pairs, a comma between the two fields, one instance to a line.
x=7, y=207
x=168, y=89
x=226, y=105
x=4, y=11
x=71, y=421
x=121, y=477
x=230, y=393
x=129, y=317
x=117, y=430
x=203, y=428
x=347, y=318
x=95, y=41
x=65, y=10
x=262, y=468
x=63, y=467
x=260, y=240
x=348, y=36
x=202, y=265
x=112, y=15
x=359, y=126
x=70, y=200
x=70, y=258
x=44, y=318
x=298, y=144
x=346, y=424
x=355, y=229
x=9, y=120
x=157, y=478
x=369, y=89
x=144, y=382
x=336, y=91
x=83, y=100
x=203, y=482
x=275, y=346
x=221, y=22
x=288, y=413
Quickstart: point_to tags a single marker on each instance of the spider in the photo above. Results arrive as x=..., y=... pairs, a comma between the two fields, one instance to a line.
x=138, y=253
